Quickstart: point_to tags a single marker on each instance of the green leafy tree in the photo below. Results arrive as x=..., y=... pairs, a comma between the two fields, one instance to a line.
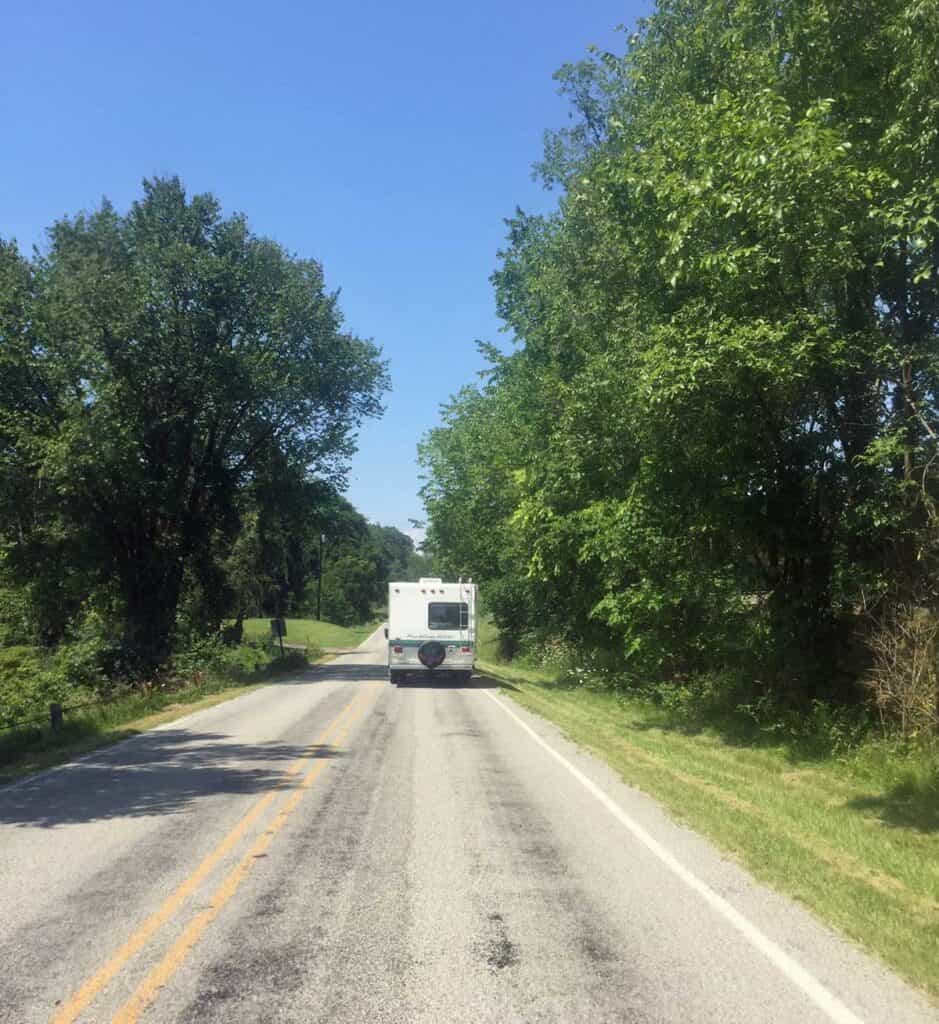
x=716, y=441
x=394, y=551
x=170, y=356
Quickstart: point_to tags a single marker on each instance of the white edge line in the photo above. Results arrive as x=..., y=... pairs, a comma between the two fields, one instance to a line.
x=795, y=972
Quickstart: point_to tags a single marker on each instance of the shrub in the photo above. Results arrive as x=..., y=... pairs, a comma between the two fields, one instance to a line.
x=15, y=626
x=904, y=679
x=243, y=660
x=212, y=654
x=704, y=695
x=207, y=655
x=742, y=707
x=291, y=661
x=30, y=681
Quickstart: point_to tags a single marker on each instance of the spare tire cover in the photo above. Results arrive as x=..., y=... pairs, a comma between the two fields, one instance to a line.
x=431, y=654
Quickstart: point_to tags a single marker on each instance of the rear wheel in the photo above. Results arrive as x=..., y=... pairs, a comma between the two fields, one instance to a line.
x=431, y=654
x=395, y=676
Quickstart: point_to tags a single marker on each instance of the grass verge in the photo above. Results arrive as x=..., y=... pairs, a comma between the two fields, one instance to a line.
x=855, y=838
x=25, y=751
x=312, y=633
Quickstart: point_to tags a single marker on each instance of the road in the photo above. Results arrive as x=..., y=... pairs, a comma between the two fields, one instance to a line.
x=338, y=849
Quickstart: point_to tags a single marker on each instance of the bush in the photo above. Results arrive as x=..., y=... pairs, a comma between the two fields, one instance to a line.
x=30, y=680
x=208, y=654
x=556, y=652
x=243, y=660
x=705, y=695
x=21, y=670
x=87, y=669
x=91, y=657
x=736, y=705
x=904, y=680
x=15, y=626
x=291, y=661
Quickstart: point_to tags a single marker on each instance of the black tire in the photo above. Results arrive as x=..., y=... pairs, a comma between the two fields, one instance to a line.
x=396, y=677
x=432, y=654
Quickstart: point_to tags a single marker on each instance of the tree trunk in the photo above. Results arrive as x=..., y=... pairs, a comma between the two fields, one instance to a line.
x=151, y=598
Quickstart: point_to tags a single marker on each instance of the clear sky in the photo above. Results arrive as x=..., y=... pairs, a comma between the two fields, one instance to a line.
x=386, y=140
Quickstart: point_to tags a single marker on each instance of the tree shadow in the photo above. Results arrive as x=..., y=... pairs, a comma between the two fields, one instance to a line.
x=492, y=683
x=158, y=773
x=741, y=732
x=913, y=804
x=441, y=681
x=336, y=671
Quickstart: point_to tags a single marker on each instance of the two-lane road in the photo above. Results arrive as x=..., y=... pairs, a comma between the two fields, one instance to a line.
x=339, y=849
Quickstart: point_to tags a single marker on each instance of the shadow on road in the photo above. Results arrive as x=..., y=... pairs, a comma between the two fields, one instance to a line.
x=379, y=673
x=336, y=671
x=159, y=773
x=437, y=681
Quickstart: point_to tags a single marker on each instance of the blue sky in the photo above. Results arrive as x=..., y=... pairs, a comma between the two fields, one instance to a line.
x=388, y=141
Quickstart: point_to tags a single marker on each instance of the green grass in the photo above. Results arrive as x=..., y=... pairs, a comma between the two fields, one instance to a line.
x=855, y=838
x=312, y=633
x=23, y=751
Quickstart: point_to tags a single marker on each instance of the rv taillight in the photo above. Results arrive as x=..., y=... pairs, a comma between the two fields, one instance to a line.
x=465, y=650
x=398, y=650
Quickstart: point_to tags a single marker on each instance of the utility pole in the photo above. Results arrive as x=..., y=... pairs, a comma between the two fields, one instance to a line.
x=319, y=582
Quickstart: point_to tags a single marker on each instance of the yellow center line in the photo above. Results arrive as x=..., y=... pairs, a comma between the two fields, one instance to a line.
x=68, y=1012
x=149, y=988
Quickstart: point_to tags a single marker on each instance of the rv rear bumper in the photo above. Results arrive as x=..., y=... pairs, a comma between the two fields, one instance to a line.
x=407, y=657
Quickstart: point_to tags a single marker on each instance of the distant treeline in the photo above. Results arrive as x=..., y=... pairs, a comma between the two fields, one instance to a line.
x=716, y=445
x=178, y=403
x=359, y=559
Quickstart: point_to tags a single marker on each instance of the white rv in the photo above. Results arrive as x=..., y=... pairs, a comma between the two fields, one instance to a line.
x=431, y=628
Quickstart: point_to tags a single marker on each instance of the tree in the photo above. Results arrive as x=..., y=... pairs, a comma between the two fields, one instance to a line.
x=173, y=357
x=394, y=551
x=717, y=438
x=360, y=559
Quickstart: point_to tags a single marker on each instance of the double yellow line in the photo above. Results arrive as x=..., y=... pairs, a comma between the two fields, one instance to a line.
x=146, y=992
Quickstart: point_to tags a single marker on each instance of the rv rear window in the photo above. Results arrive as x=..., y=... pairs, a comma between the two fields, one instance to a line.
x=447, y=615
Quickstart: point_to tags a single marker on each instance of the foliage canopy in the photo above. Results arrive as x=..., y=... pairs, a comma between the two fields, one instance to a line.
x=716, y=441
x=175, y=394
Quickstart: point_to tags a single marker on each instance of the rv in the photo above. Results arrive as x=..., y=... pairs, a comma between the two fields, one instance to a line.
x=431, y=628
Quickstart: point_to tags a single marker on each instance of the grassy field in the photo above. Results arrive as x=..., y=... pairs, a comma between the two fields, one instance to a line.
x=855, y=838
x=312, y=633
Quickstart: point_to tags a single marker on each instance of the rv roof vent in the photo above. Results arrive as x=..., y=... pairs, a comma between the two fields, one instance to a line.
x=430, y=579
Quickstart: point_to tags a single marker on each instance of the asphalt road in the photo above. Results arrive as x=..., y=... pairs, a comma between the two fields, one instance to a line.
x=338, y=849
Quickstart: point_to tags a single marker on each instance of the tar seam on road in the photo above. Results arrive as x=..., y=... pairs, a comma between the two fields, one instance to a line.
x=149, y=988
x=73, y=1006
x=826, y=1001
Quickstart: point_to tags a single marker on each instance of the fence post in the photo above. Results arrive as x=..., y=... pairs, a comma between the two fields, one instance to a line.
x=55, y=716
